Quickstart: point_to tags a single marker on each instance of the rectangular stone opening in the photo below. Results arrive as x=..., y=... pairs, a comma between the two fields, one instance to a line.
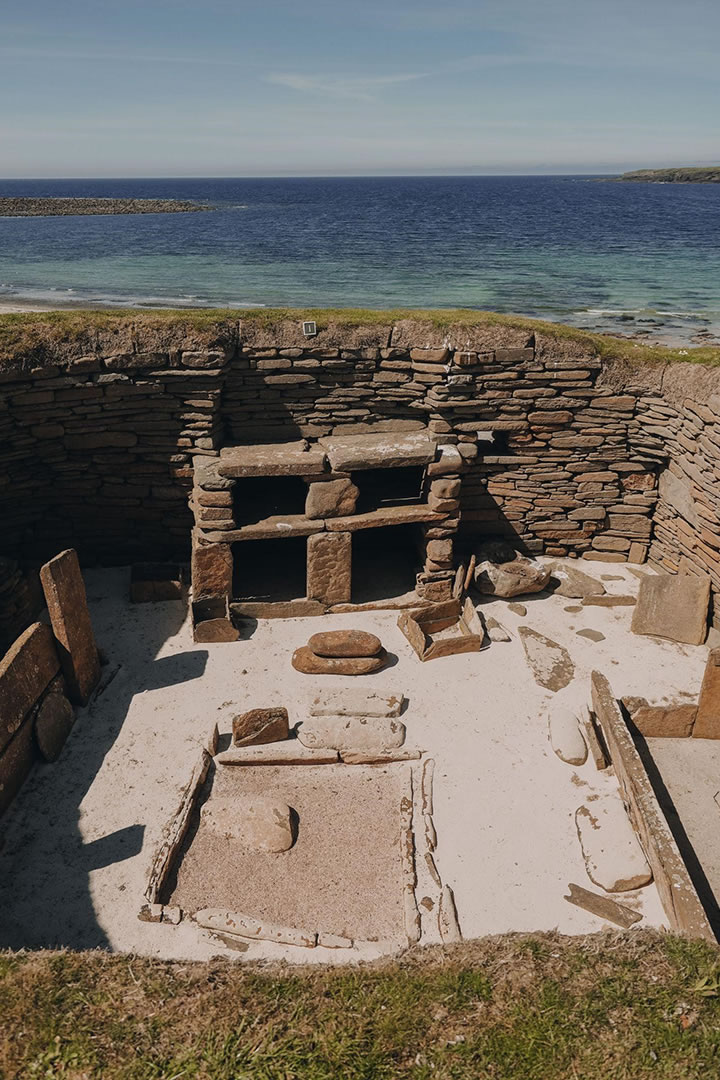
x=259, y=497
x=271, y=571
x=385, y=562
x=380, y=488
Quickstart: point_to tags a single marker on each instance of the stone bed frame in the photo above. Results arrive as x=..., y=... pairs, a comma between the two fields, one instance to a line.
x=417, y=842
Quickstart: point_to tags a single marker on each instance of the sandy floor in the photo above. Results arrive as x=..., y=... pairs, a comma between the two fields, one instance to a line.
x=80, y=838
x=341, y=876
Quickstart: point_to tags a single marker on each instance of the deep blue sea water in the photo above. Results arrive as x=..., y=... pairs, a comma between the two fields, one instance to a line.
x=631, y=257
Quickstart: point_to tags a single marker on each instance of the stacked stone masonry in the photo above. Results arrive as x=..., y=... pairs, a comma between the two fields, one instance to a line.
x=541, y=440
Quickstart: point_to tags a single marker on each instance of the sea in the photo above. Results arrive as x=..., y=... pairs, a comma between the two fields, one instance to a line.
x=640, y=259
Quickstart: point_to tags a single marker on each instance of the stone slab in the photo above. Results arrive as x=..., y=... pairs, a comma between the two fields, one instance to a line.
x=574, y=583
x=235, y=924
x=280, y=609
x=661, y=721
x=53, y=723
x=289, y=752
x=305, y=661
x=26, y=670
x=378, y=450
x=673, y=606
x=707, y=721
x=377, y=519
x=613, y=856
x=602, y=906
x=16, y=761
x=348, y=733
x=329, y=568
x=275, y=526
x=211, y=568
x=356, y=702
x=550, y=663
x=64, y=591
x=275, y=459
x=677, y=893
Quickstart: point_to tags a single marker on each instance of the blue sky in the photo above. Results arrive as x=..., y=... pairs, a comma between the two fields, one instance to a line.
x=275, y=87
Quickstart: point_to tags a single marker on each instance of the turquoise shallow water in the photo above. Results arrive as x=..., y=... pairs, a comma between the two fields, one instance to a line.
x=634, y=258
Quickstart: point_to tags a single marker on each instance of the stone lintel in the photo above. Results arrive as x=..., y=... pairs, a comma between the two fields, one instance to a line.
x=378, y=450
x=276, y=459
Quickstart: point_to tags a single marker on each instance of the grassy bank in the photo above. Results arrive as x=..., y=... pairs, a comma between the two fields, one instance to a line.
x=534, y=1007
x=29, y=333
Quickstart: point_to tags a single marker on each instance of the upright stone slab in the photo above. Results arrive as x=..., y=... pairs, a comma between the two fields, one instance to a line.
x=67, y=604
x=329, y=562
x=673, y=606
x=707, y=720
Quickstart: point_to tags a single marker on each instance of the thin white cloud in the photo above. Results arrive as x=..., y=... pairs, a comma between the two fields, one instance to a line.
x=356, y=87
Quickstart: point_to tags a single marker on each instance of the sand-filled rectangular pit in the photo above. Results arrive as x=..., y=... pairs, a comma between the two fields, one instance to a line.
x=343, y=874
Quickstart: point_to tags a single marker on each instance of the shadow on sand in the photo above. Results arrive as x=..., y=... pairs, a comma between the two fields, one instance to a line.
x=45, y=864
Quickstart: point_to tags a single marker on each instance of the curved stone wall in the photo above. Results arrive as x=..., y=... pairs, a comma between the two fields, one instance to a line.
x=562, y=451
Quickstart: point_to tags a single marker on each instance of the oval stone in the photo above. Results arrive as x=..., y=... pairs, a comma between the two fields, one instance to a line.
x=306, y=661
x=345, y=643
x=566, y=737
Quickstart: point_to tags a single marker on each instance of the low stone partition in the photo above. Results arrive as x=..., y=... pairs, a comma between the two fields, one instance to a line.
x=677, y=893
x=42, y=672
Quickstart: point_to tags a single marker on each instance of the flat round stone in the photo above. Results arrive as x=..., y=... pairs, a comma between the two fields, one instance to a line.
x=309, y=663
x=257, y=822
x=345, y=643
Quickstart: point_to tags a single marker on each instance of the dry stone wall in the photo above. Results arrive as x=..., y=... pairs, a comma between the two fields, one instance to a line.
x=557, y=449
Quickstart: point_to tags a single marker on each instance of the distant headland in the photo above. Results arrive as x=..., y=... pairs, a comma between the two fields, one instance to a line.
x=687, y=175
x=37, y=207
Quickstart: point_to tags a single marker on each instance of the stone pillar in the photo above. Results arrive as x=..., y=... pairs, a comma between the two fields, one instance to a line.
x=211, y=568
x=329, y=562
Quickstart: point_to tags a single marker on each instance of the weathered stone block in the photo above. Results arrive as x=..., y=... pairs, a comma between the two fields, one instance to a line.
x=211, y=569
x=661, y=721
x=64, y=590
x=259, y=726
x=329, y=567
x=331, y=498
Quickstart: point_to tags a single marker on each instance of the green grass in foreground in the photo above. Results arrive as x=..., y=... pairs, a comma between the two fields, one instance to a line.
x=537, y=1007
x=25, y=332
